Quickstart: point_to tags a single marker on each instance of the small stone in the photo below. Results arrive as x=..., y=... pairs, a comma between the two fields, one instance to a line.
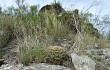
x=1, y=62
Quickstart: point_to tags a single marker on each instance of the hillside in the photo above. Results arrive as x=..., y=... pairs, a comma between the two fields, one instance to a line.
x=53, y=36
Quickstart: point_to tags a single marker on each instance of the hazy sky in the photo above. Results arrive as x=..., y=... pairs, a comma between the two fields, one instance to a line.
x=102, y=7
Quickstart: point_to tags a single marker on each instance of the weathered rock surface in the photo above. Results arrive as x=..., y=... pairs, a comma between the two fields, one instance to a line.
x=40, y=66
x=83, y=62
x=106, y=57
x=101, y=57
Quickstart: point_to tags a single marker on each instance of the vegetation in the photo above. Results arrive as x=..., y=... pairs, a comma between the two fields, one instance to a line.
x=1, y=54
x=30, y=54
x=56, y=55
x=5, y=30
x=35, y=31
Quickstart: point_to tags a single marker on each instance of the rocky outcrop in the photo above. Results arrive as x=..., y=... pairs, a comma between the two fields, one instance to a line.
x=40, y=66
x=105, y=56
x=101, y=58
x=54, y=8
x=83, y=62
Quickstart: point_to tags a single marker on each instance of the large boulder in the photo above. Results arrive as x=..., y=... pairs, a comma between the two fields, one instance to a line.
x=83, y=62
x=54, y=8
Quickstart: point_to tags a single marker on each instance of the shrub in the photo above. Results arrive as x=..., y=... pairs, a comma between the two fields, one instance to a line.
x=1, y=54
x=30, y=55
x=5, y=30
x=88, y=28
x=88, y=41
x=30, y=50
x=52, y=28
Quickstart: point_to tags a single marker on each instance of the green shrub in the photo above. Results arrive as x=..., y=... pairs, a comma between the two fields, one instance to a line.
x=5, y=30
x=52, y=28
x=30, y=50
x=29, y=55
x=1, y=54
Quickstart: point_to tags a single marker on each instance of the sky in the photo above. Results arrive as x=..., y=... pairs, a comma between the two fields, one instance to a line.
x=102, y=8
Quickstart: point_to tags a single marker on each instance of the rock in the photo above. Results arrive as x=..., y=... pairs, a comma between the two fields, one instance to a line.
x=96, y=46
x=83, y=62
x=101, y=57
x=1, y=62
x=106, y=52
x=100, y=66
x=41, y=66
x=106, y=56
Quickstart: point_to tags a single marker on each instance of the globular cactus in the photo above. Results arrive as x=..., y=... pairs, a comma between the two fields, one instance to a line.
x=55, y=55
x=58, y=55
